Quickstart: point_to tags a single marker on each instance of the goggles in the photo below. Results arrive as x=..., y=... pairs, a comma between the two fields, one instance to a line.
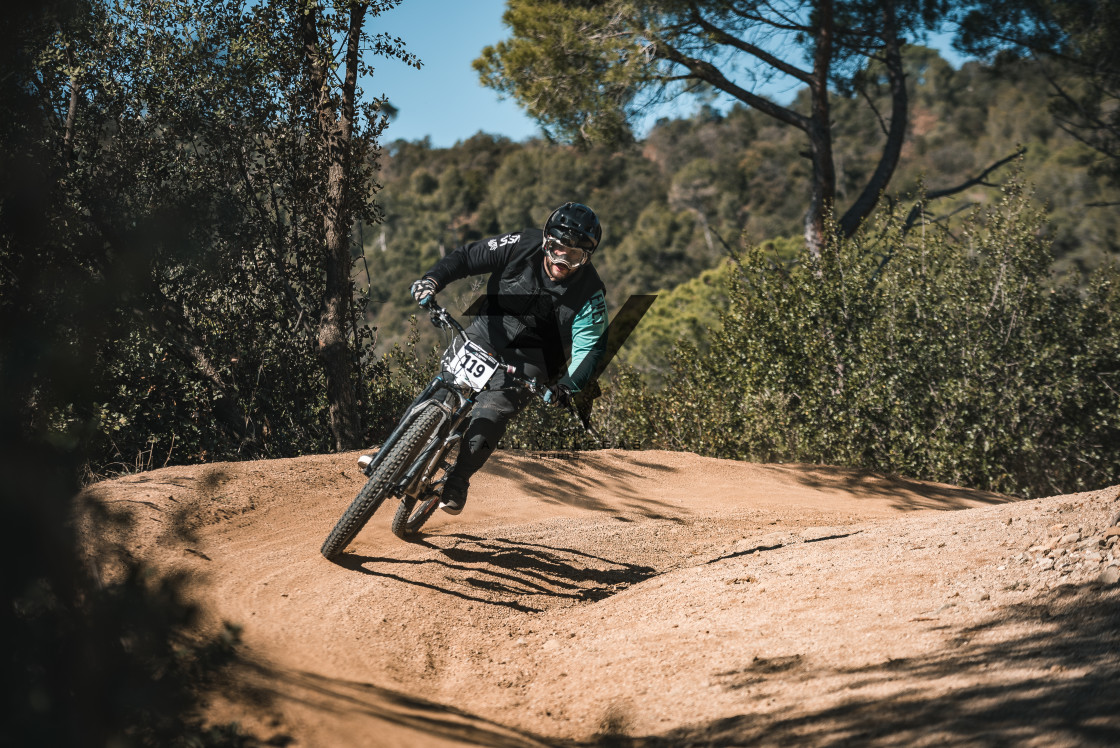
x=561, y=254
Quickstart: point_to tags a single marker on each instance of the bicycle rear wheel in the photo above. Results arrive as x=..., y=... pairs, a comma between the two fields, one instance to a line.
x=413, y=512
x=382, y=481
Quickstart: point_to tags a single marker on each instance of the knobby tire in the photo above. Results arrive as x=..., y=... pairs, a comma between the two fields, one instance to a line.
x=407, y=522
x=381, y=482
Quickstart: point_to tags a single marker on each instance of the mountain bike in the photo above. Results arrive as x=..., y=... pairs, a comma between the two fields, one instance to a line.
x=413, y=462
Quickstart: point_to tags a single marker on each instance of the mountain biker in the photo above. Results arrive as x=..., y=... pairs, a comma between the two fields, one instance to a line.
x=544, y=305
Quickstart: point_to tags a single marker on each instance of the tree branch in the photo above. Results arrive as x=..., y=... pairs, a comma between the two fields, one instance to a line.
x=723, y=37
x=72, y=108
x=917, y=210
x=896, y=135
x=705, y=71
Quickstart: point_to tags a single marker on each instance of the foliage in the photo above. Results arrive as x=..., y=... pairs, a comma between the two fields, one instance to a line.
x=395, y=379
x=670, y=203
x=1075, y=42
x=690, y=311
x=90, y=660
x=964, y=362
x=211, y=352
x=588, y=69
x=239, y=331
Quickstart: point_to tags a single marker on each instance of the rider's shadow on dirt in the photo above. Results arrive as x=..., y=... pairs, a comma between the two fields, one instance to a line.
x=497, y=571
x=587, y=481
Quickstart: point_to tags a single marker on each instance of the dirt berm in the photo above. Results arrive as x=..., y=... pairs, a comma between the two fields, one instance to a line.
x=652, y=599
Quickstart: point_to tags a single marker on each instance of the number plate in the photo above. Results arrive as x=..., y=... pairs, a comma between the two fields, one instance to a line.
x=472, y=365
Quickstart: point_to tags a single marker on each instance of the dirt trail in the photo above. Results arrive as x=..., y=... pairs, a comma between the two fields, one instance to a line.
x=650, y=598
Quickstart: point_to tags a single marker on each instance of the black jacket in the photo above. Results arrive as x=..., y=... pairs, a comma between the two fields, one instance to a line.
x=528, y=317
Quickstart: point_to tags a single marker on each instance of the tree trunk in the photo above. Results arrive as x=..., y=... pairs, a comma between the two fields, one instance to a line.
x=822, y=194
x=335, y=130
x=896, y=133
x=72, y=109
x=334, y=350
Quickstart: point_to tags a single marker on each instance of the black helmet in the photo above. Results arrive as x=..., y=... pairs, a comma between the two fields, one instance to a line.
x=574, y=225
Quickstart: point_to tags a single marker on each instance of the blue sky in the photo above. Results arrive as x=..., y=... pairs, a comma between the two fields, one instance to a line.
x=444, y=99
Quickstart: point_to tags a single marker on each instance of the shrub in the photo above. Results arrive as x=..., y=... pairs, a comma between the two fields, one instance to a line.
x=953, y=358
x=916, y=353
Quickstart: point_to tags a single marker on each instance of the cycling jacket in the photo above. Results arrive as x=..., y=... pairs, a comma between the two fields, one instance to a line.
x=525, y=314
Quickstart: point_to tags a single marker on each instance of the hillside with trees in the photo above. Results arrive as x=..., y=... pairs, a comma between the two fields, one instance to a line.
x=674, y=204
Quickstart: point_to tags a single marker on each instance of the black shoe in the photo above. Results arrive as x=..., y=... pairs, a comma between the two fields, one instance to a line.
x=454, y=496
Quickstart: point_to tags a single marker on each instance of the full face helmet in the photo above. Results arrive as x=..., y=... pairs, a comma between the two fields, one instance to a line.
x=571, y=234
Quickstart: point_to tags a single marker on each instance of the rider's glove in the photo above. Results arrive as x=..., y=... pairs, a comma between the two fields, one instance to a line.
x=423, y=288
x=559, y=394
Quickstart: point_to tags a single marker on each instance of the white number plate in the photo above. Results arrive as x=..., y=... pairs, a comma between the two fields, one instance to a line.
x=472, y=365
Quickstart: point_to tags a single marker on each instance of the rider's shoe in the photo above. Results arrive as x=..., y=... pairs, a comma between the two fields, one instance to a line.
x=364, y=463
x=454, y=495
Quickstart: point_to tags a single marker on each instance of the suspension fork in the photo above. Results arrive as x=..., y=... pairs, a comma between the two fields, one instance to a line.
x=426, y=463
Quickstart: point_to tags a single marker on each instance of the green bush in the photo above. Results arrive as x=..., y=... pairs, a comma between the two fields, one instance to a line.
x=955, y=358
x=392, y=381
x=959, y=360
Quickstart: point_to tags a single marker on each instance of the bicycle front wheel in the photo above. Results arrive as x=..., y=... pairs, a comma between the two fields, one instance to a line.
x=381, y=483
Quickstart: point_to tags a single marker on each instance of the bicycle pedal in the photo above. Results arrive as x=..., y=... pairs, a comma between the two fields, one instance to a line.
x=451, y=508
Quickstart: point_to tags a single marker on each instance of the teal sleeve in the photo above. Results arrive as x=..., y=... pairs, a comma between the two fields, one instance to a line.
x=589, y=342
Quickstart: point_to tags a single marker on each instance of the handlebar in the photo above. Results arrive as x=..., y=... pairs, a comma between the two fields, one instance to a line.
x=442, y=317
x=439, y=315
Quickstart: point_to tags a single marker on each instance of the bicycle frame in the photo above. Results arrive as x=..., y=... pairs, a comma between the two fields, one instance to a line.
x=425, y=465
x=429, y=435
x=416, y=478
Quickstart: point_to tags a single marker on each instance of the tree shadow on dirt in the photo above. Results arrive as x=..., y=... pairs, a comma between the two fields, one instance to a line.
x=906, y=494
x=263, y=684
x=1063, y=691
x=577, y=478
x=1067, y=693
x=509, y=573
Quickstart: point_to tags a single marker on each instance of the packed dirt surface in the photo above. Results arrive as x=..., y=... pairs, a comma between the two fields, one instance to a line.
x=648, y=599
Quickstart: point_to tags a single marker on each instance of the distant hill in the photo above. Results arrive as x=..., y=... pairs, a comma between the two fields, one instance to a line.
x=672, y=202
